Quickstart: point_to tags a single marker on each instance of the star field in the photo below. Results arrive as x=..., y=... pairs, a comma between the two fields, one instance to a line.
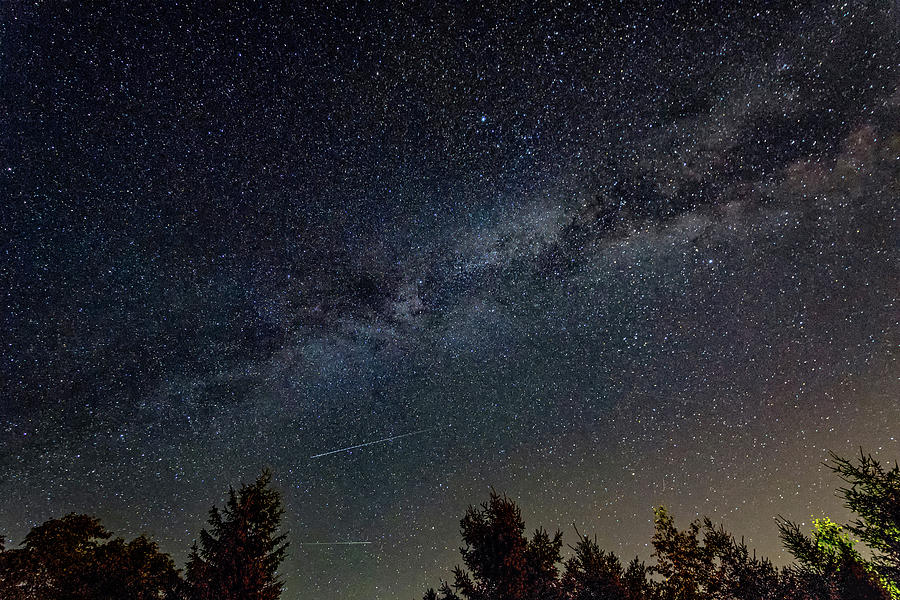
x=610, y=257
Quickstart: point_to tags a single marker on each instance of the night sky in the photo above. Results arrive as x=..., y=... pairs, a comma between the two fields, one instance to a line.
x=606, y=257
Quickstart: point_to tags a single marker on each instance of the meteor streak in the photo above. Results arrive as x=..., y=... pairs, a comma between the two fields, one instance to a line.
x=333, y=543
x=388, y=439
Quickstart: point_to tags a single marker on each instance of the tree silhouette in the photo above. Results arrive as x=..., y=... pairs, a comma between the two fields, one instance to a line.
x=829, y=553
x=636, y=580
x=685, y=560
x=741, y=575
x=238, y=558
x=706, y=562
x=594, y=573
x=136, y=570
x=66, y=559
x=502, y=563
x=829, y=556
x=702, y=562
x=874, y=495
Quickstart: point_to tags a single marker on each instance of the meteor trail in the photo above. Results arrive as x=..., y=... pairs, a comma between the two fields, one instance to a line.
x=333, y=543
x=388, y=439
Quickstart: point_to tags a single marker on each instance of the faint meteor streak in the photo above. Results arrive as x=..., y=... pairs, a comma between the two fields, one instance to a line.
x=388, y=439
x=333, y=543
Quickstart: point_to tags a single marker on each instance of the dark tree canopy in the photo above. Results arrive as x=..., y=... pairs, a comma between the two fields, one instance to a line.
x=829, y=555
x=238, y=557
x=685, y=559
x=502, y=563
x=705, y=562
x=873, y=493
x=594, y=573
x=701, y=562
x=68, y=559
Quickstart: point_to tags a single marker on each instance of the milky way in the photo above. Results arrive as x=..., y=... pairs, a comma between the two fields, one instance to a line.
x=609, y=258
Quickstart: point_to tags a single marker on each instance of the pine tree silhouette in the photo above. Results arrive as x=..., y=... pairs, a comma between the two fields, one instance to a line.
x=874, y=495
x=238, y=558
x=502, y=563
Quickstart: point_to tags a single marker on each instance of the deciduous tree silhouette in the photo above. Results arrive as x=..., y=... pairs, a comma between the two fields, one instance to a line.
x=238, y=558
x=67, y=559
x=136, y=570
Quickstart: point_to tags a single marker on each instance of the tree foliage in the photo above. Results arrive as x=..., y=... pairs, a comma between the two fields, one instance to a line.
x=238, y=557
x=594, y=573
x=873, y=493
x=69, y=559
x=706, y=562
x=829, y=556
x=700, y=562
x=685, y=560
x=502, y=563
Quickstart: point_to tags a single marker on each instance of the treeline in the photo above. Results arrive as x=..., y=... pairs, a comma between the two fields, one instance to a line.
x=701, y=562
x=237, y=556
x=73, y=558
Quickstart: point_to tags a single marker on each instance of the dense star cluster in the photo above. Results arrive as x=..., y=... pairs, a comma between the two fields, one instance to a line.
x=600, y=258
